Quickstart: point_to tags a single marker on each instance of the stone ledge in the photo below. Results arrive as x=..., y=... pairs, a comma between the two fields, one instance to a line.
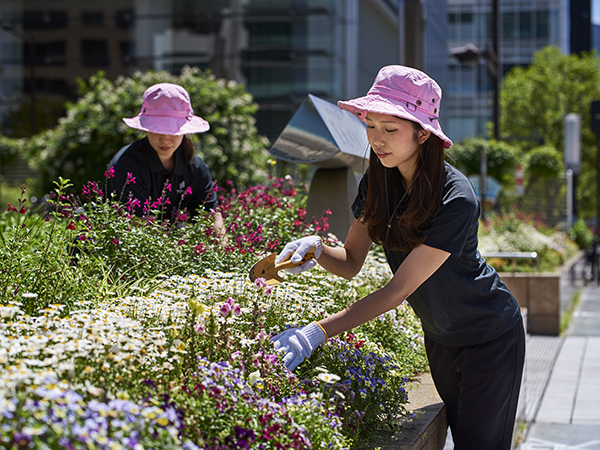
x=427, y=429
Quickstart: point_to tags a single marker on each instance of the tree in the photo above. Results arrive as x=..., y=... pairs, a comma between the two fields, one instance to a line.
x=501, y=158
x=92, y=131
x=535, y=99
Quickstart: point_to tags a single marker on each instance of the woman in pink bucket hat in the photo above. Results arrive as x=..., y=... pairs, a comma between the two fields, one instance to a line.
x=425, y=214
x=167, y=175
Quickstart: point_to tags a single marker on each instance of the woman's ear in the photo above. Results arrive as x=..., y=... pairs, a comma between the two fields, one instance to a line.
x=423, y=135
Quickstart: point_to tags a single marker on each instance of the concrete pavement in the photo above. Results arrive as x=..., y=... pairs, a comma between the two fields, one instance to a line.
x=568, y=414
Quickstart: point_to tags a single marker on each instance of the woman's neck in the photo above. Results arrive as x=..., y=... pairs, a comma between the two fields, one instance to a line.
x=407, y=177
x=168, y=163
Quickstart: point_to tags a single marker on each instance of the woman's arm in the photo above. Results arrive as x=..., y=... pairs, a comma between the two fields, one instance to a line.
x=347, y=261
x=420, y=264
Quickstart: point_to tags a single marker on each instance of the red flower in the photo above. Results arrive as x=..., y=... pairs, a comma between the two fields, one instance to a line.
x=71, y=226
x=11, y=207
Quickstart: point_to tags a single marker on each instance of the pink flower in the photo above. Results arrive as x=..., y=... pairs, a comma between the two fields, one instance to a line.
x=181, y=242
x=188, y=191
x=199, y=328
x=271, y=359
x=116, y=241
x=260, y=282
x=110, y=173
x=199, y=249
x=262, y=336
x=225, y=309
x=237, y=310
x=130, y=178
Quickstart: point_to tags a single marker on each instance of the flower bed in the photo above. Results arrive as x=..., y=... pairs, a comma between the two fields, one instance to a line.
x=521, y=233
x=121, y=333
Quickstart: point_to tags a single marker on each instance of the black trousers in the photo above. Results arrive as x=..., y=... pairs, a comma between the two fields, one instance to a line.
x=480, y=387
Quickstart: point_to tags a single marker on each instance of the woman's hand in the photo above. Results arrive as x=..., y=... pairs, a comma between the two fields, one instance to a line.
x=297, y=344
x=300, y=248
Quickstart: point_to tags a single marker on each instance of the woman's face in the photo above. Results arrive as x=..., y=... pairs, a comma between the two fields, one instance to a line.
x=394, y=141
x=164, y=144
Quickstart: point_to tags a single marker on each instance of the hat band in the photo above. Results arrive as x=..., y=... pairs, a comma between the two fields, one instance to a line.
x=167, y=112
x=412, y=103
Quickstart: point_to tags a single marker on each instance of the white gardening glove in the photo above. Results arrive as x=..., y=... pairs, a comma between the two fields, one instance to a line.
x=297, y=344
x=301, y=247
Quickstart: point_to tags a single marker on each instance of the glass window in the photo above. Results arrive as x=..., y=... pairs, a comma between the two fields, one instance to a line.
x=462, y=78
x=127, y=51
x=542, y=24
x=94, y=52
x=525, y=25
x=46, y=53
x=124, y=18
x=509, y=29
x=270, y=33
x=484, y=26
x=45, y=20
x=92, y=18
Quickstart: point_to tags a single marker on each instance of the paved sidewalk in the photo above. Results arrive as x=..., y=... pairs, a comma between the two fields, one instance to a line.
x=568, y=414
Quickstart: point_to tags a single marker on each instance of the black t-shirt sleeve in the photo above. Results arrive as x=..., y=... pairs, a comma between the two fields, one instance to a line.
x=450, y=227
x=203, y=192
x=359, y=202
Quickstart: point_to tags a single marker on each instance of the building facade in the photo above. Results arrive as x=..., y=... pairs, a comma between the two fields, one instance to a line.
x=525, y=26
x=280, y=49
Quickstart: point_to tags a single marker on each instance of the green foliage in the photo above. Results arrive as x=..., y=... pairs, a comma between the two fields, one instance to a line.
x=9, y=149
x=535, y=99
x=581, y=234
x=36, y=259
x=544, y=161
x=501, y=158
x=92, y=131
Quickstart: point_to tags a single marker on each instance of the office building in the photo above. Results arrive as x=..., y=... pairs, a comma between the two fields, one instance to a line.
x=525, y=26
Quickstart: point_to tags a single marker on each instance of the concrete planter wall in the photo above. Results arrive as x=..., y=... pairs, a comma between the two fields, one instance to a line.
x=546, y=295
x=427, y=429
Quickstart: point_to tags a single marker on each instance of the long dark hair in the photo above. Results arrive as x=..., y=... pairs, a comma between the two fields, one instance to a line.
x=188, y=148
x=385, y=191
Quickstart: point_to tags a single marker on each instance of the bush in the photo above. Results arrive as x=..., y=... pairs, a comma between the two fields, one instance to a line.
x=501, y=158
x=581, y=234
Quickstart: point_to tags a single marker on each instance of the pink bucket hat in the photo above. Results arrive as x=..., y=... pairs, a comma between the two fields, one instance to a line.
x=403, y=92
x=167, y=110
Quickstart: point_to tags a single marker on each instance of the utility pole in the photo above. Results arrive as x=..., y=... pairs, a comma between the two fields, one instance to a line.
x=491, y=54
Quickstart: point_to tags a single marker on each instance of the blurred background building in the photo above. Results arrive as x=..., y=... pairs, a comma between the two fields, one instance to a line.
x=281, y=49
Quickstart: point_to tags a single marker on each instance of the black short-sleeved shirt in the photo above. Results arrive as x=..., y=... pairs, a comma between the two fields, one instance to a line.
x=142, y=161
x=464, y=302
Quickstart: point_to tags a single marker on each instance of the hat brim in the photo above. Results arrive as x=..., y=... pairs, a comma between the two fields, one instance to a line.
x=168, y=125
x=376, y=104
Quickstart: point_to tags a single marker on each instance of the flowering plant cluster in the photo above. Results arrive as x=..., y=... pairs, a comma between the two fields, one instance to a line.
x=165, y=343
x=519, y=232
